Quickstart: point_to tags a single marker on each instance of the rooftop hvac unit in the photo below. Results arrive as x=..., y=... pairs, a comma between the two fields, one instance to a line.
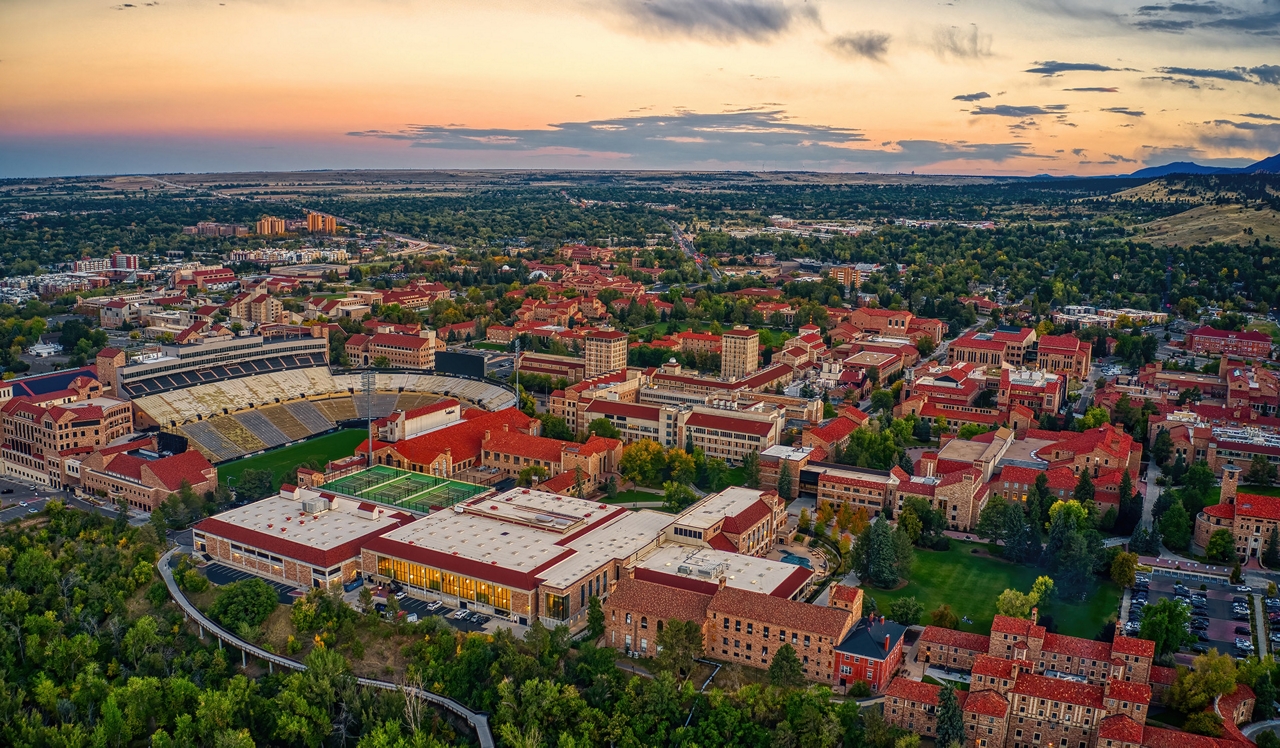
x=683, y=570
x=314, y=506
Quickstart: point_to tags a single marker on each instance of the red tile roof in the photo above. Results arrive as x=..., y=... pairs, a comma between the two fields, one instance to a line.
x=913, y=690
x=997, y=667
x=1124, y=690
x=722, y=543
x=1133, y=646
x=792, y=615
x=1156, y=737
x=748, y=518
x=1263, y=507
x=524, y=445
x=649, y=598
x=1056, y=689
x=835, y=430
x=170, y=471
x=728, y=423
x=1074, y=646
x=462, y=438
x=841, y=593
x=953, y=638
x=1020, y=626
x=1165, y=676
x=1060, y=344
x=1120, y=727
x=987, y=703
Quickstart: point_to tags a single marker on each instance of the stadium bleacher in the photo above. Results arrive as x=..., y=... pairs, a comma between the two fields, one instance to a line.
x=261, y=427
x=179, y=380
x=216, y=415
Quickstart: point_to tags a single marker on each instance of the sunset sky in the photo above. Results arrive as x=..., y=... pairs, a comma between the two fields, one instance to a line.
x=970, y=86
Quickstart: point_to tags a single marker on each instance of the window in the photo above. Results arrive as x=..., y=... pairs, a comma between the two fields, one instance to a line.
x=644, y=622
x=628, y=619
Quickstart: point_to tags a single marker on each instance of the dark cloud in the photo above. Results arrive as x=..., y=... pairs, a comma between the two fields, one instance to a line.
x=1241, y=136
x=1265, y=117
x=1183, y=82
x=1053, y=67
x=1125, y=111
x=962, y=44
x=1009, y=110
x=1094, y=89
x=1268, y=75
x=979, y=96
x=870, y=45
x=1121, y=159
x=1168, y=25
x=748, y=139
x=1078, y=151
x=1265, y=24
x=717, y=20
x=1159, y=155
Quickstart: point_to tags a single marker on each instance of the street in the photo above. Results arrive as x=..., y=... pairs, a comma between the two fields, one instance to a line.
x=36, y=497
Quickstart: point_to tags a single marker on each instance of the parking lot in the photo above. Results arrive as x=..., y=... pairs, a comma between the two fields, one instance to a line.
x=223, y=575
x=1214, y=617
x=411, y=604
x=20, y=493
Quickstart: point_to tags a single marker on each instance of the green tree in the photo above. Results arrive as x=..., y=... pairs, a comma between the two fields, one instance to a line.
x=1175, y=528
x=1167, y=623
x=1261, y=472
x=1083, y=492
x=1162, y=448
x=1124, y=569
x=1203, y=723
x=254, y=485
x=784, y=480
x=881, y=401
x=642, y=462
x=595, y=618
x=881, y=557
x=785, y=670
x=677, y=496
x=1211, y=675
x=679, y=645
x=554, y=427
x=906, y=610
x=1271, y=554
x=751, y=469
x=528, y=475
x=248, y=601
x=602, y=427
x=1221, y=546
x=944, y=617
x=950, y=720
x=993, y=520
x=970, y=430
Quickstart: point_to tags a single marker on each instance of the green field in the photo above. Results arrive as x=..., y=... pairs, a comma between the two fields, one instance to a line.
x=1261, y=490
x=323, y=448
x=971, y=584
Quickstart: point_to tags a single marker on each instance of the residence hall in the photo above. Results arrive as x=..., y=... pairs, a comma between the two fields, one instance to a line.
x=39, y=431
x=1030, y=688
x=138, y=472
x=836, y=646
x=400, y=351
x=1208, y=341
x=1003, y=345
x=1249, y=517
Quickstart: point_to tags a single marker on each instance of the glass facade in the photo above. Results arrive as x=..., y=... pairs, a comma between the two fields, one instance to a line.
x=448, y=583
x=557, y=607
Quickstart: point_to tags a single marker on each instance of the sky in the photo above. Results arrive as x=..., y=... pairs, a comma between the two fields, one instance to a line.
x=998, y=87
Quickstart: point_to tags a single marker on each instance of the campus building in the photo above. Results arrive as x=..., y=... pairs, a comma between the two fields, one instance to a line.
x=1003, y=345
x=1030, y=688
x=400, y=351
x=1064, y=354
x=139, y=474
x=606, y=351
x=39, y=433
x=739, y=353
x=1248, y=517
x=1209, y=341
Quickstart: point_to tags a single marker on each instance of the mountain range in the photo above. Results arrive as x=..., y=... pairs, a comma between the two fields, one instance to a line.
x=1270, y=165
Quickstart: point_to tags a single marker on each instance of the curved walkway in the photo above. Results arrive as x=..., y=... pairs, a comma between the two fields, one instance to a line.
x=1251, y=731
x=478, y=721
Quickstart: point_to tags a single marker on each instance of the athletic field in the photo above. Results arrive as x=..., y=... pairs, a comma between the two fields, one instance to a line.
x=416, y=491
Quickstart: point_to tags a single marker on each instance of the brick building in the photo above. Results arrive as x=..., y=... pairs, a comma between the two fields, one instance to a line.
x=606, y=351
x=1064, y=354
x=400, y=351
x=1004, y=345
x=1209, y=341
x=139, y=474
x=739, y=353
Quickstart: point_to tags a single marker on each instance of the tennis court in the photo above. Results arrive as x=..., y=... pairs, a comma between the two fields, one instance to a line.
x=417, y=491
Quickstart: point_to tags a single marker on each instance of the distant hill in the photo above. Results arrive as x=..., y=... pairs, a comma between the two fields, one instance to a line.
x=1270, y=165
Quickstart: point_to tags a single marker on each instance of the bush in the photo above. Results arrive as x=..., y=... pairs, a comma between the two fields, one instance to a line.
x=158, y=595
x=193, y=581
x=248, y=602
x=860, y=689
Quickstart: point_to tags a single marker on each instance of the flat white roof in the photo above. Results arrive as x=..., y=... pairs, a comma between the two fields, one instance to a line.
x=328, y=529
x=517, y=530
x=620, y=539
x=710, y=510
x=740, y=571
x=782, y=451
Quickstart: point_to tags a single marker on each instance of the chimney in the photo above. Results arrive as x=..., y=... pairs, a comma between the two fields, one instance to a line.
x=1035, y=613
x=886, y=644
x=721, y=584
x=505, y=427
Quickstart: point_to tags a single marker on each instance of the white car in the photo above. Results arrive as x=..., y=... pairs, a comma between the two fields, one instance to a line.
x=22, y=503
x=459, y=613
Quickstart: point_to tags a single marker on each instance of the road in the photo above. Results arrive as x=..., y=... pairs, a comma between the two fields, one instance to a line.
x=686, y=244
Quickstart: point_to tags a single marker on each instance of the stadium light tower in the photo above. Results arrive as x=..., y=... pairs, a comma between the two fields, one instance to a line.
x=368, y=381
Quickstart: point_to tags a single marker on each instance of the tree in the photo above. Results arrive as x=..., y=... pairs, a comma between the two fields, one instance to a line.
x=642, y=462
x=784, y=479
x=1175, y=528
x=554, y=427
x=255, y=484
x=881, y=558
x=950, y=720
x=1222, y=546
x=1204, y=723
x=679, y=644
x=1265, y=690
x=1167, y=623
x=681, y=466
x=751, y=469
x=595, y=618
x=1162, y=448
x=1261, y=472
x=1211, y=675
x=527, y=476
x=784, y=669
x=906, y=610
x=970, y=430
x=993, y=521
x=1271, y=554
x=1016, y=604
x=1124, y=569
x=248, y=601
x=1130, y=505
x=1083, y=492
x=602, y=427
x=677, y=496
x=881, y=401
x=943, y=617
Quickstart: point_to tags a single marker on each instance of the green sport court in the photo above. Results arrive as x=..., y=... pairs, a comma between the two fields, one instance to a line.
x=402, y=488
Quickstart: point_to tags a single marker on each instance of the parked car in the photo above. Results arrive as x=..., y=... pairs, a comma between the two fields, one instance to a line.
x=1246, y=589
x=411, y=618
x=1199, y=649
x=1236, y=599
x=401, y=595
x=1245, y=630
x=433, y=605
x=460, y=614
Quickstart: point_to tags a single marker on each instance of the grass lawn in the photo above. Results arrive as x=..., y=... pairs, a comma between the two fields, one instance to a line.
x=500, y=347
x=737, y=476
x=971, y=583
x=626, y=497
x=281, y=461
x=1261, y=490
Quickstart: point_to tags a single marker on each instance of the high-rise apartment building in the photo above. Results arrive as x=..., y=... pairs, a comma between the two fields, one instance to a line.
x=319, y=223
x=270, y=226
x=606, y=352
x=739, y=353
